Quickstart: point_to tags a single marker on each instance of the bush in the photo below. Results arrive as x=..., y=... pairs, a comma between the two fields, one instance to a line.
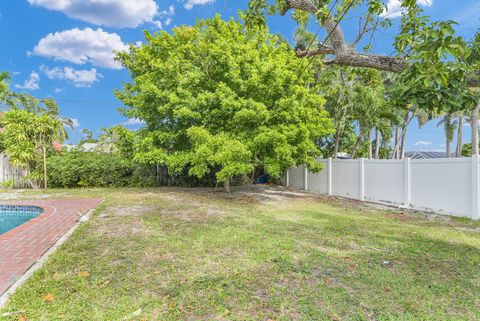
x=86, y=169
x=96, y=169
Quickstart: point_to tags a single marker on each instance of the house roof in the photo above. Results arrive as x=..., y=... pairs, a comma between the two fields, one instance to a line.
x=426, y=154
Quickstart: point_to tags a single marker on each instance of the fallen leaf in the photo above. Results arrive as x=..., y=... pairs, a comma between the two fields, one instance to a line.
x=49, y=297
x=23, y=317
x=83, y=274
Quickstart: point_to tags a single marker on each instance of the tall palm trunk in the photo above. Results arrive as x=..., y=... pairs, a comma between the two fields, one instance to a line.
x=403, y=145
x=458, y=152
x=357, y=144
x=370, y=144
x=396, y=135
x=475, y=130
x=337, y=144
x=448, y=128
x=399, y=150
x=377, y=143
x=403, y=140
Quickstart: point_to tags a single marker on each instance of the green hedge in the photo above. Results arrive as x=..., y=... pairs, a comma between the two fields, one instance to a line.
x=93, y=169
x=87, y=169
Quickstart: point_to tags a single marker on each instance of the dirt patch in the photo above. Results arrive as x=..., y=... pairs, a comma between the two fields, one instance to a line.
x=122, y=211
x=192, y=214
x=124, y=229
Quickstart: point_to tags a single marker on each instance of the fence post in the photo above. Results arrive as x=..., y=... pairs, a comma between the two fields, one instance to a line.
x=362, y=179
x=288, y=178
x=329, y=176
x=406, y=183
x=475, y=188
x=305, y=179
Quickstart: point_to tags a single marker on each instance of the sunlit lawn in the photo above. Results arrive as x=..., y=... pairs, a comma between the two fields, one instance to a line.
x=180, y=254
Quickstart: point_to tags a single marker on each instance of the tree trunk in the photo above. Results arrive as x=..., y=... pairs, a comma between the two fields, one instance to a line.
x=377, y=144
x=357, y=144
x=447, y=147
x=403, y=143
x=45, y=167
x=475, y=130
x=399, y=149
x=370, y=144
x=226, y=185
x=458, y=152
x=396, y=135
x=337, y=144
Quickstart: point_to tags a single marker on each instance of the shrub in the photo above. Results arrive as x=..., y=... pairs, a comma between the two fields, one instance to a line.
x=95, y=169
x=86, y=169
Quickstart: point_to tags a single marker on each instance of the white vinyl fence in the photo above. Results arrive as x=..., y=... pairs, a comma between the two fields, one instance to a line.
x=445, y=186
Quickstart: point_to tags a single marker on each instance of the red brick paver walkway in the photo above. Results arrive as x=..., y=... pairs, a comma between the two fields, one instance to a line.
x=21, y=247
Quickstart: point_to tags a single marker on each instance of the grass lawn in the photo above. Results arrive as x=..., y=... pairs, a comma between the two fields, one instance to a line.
x=192, y=254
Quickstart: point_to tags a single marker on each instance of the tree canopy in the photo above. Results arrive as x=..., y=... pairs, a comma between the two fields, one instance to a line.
x=30, y=128
x=218, y=97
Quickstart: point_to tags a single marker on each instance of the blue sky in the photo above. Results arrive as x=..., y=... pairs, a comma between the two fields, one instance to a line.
x=62, y=48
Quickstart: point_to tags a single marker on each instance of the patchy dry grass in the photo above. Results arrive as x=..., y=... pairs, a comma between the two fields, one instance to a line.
x=192, y=254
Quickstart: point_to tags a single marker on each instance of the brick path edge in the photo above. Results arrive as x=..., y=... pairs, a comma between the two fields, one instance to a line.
x=40, y=261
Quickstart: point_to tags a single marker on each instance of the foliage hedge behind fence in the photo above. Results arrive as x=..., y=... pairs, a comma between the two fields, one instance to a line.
x=95, y=169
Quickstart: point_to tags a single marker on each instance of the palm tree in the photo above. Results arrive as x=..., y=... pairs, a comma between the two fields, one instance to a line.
x=449, y=124
x=460, y=122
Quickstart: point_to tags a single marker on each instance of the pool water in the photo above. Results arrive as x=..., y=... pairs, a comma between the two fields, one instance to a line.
x=12, y=216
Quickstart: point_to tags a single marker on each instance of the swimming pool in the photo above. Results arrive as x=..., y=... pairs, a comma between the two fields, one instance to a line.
x=12, y=216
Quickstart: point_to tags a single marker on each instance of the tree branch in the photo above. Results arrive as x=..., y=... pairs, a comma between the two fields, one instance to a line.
x=303, y=5
x=365, y=29
x=325, y=50
x=379, y=62
x=343, y=53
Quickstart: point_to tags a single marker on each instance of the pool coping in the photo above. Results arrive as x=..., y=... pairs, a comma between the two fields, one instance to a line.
x=48, y=212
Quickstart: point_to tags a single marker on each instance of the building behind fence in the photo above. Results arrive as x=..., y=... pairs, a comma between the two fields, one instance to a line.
x=446, y=186
x=10, y=175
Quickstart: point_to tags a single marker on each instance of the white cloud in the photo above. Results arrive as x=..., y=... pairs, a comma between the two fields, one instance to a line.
x=133, y=122
x=57, y=90
x=111, y=13
x=80, y=78
x=158, y=24
x=164, y=17
x=31, y=83
x=190, y=3
x=394, y=8
x=423, y=143
x=81, y=47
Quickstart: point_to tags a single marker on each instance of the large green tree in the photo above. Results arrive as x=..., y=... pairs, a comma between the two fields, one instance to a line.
x=218, y=97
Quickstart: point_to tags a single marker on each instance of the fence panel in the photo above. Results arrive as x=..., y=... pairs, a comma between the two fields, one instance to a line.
x=319, y=182
x=384, y=181
x=346, y=178
x=442, y=185
x=297, y=177
x=445, y=186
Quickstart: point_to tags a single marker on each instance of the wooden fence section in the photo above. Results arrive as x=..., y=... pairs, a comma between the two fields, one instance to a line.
x=10, y=173
x=446, y=186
